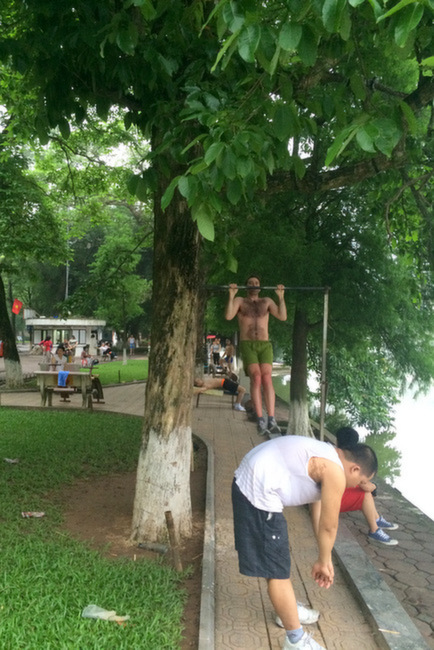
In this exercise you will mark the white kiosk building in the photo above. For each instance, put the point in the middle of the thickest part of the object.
(60, 329)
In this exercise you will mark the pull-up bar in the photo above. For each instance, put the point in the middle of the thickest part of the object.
(225, 287)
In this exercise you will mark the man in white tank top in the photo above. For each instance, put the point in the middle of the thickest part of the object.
(292, 471)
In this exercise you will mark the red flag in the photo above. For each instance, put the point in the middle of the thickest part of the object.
(16, 307)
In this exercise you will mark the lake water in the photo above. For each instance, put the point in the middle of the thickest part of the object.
(414, 426)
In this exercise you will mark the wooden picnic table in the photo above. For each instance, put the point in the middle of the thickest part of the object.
(77, 380)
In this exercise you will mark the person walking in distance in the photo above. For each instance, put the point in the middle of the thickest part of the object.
(255, 347)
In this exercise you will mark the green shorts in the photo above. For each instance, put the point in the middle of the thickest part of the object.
(256, 352)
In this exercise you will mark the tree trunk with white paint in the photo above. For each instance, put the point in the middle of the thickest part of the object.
(163, 474)
(298, 417)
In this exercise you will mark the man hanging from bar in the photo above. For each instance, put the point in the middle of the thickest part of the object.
(255, 348)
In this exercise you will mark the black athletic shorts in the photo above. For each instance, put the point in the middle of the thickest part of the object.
(261, 539)
(230, 386)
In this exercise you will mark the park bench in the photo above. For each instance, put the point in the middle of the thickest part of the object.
(217, 393)
(78, 382)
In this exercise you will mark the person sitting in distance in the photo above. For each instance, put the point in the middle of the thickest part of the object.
(59, 359)
(360, 498)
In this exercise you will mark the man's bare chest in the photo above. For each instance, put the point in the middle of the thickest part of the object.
(254, 308)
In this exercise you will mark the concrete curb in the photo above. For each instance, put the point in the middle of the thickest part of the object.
(393, 627)
(207, 600)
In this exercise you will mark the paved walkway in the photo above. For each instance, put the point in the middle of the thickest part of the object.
(403, 577)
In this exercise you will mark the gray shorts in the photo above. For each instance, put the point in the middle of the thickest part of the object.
(261, 539)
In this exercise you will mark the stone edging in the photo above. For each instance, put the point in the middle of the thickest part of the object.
(393, 626)
(207, 600)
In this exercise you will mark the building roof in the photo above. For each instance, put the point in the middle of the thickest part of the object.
(65, 323)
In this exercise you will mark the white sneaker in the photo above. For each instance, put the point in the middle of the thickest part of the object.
(306, 643)
(239, 407)
(307, 616)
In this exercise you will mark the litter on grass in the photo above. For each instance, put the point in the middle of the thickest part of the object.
(26, 515)
(93, 611)
(11, 461)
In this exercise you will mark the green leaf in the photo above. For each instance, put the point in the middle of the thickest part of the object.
(332, 11)
(396, 8)
(198, 167)
(147, 9)
(358, 86)
(274, 61)
(142, 190)
(248, 42)
(308, 48)
(429, 62)
(234, 190)
(168, 194)
(355, 3)
(42, 130)
(204, 221)
(193, 143)
(389, 135)
(283, 122)
(299, 167)
(232, 16)
(409, 117)
(365, 140)
(212, 102)
(132, 183)
(213, 152)
(183, 186)
(290, 36)
(64, 128)
(340, 143)
(232, 263)
(126, 39)
(244, 166)
(229, 164)
(228, 42)
(345, 25)
(188, 186)
(406, 22)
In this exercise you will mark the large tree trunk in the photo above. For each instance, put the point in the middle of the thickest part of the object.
(201, 352)
(163, 474)
(298, 418)
(13, 371)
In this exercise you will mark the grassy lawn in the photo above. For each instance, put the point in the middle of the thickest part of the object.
(114, 372)
(47, 578)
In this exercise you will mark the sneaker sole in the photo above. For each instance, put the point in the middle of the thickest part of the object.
(393, 527)
(392, 542)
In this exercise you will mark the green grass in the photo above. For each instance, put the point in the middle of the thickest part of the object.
(114, 372)
(46, 577)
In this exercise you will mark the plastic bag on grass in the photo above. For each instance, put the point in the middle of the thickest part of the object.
(93, 611)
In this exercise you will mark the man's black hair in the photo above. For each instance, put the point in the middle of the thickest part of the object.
(253, 275)
(346, 437)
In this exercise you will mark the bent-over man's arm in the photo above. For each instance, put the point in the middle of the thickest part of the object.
(332, 489)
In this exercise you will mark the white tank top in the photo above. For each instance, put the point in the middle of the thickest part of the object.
(274, 474)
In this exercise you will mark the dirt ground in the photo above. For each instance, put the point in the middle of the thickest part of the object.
(99, 511)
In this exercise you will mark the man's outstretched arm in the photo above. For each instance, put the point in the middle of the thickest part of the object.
(279, 310)
(233, 303)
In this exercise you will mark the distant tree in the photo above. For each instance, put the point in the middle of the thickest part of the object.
(28, 230)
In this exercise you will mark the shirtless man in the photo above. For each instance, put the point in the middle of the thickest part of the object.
(202, 385)
(255, 348)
